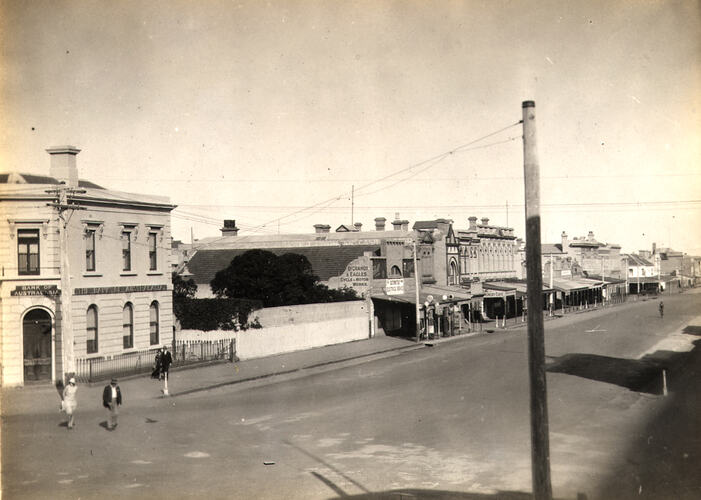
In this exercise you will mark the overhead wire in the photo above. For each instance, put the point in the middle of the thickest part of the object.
(410, 167)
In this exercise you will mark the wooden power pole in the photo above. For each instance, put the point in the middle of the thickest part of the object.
(540, 446)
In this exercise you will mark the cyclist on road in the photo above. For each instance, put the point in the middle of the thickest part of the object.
(661, 309)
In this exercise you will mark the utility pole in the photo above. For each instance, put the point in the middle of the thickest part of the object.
(65, 209)
(352, 204)
(540, 445)
(603, 282)
(417, 284)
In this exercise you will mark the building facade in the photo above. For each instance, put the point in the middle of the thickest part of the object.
(86, 272)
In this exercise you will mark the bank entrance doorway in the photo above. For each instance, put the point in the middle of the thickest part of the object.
(36, 332)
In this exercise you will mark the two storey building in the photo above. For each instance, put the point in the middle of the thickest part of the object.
(85, 272)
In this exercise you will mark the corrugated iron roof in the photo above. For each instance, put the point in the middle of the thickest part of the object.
(327, 262)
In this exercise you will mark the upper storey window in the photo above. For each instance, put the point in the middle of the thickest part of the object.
(126, 250)
(28, 251)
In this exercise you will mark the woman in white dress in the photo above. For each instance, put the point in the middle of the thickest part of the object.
(70, 402)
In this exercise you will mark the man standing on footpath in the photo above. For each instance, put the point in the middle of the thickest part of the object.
(166, 361)
(112, 399)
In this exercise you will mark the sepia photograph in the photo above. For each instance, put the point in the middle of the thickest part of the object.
(361, 249)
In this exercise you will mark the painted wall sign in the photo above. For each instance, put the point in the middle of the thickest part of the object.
(99, 290)
(357, 276)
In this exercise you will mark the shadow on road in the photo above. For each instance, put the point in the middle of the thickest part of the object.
(419, 494)
(639, 375)
(664, 461)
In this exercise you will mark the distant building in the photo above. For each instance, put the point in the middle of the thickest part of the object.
(642, 275)
(109, 277)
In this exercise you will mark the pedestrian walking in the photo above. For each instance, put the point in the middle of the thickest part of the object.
(70, 402)
(112, 399)
(156, 373)
(661, 309)
(166, 361)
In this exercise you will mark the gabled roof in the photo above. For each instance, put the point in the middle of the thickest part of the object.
(636, 260)
(326, 261)
(303, 239)
(430, 224)
(551, 248)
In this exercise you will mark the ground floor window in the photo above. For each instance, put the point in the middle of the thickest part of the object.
(91, 329)
(128, 326)
(153, 323)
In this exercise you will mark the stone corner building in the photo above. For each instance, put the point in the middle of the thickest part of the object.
(73, 253)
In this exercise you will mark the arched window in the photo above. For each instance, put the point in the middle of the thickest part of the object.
(395, 272)
(128, 326)
(91, 330)
(453, 273)
(153, 322)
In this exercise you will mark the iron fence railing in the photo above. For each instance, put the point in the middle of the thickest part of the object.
(184, 352)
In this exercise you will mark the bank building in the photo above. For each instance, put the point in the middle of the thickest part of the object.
(85, 273)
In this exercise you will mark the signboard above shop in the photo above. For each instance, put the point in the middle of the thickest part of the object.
(394, 286)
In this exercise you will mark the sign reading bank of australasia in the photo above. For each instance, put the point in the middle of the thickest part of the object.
(35, 290)
(356, 276)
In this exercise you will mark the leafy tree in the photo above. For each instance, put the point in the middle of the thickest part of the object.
(274, 280)
(183, 288)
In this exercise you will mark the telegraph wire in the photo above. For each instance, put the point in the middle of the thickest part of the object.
(410, 167)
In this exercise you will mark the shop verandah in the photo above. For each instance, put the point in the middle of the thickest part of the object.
(443, 311)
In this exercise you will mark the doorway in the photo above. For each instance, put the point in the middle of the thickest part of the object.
(36, 332)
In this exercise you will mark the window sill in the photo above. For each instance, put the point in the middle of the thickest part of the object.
(91, 274)
(128, 274)
(154, 273)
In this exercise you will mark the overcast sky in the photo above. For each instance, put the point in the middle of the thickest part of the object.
(257, 110)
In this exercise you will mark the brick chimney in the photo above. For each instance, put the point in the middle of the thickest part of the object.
(654, 248)
(380, 223)
(63, 165)
(564, 241)
(229, 228)
(485, 221)
(396, 223)
(400, 224)
(358, 226)
(473, 223)
(590, 236)
(321, 228)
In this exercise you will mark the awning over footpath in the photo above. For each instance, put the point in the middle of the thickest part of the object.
(608, 280)
(509, 288)
(435, 292)
(571, 285)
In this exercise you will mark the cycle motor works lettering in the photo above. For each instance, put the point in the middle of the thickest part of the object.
(357, 275)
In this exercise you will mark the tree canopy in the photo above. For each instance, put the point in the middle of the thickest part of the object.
(274, 280)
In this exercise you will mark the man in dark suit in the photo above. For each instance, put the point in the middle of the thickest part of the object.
(166, 361)
(112, 399)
